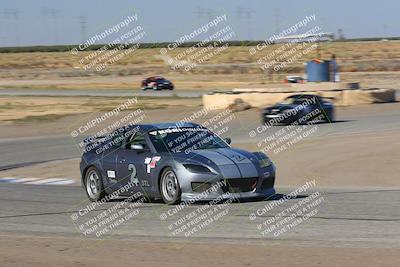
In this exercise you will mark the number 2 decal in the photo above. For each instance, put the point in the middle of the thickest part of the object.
(134, 179)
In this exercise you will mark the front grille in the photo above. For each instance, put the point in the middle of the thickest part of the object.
(199, 187)
(268, 183)
(240, 185)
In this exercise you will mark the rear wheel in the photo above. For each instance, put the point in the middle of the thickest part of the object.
(169, 187)
(94, 185)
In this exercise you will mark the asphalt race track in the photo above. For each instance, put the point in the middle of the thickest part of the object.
(362, 217)
(99, 92)
(106, 93)
(343, 217)
(352, 120)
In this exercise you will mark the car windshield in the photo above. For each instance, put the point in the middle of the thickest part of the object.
(185, 140)
(161, 80)
(294, 100)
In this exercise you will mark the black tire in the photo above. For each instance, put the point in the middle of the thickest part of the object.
(330, 116)
(168, 181)
(89, 185)
(327, 115)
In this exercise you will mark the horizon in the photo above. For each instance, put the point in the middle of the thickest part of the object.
(43, 22)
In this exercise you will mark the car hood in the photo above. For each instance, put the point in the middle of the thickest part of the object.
(231, 163)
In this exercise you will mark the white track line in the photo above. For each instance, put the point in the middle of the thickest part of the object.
(37, 181)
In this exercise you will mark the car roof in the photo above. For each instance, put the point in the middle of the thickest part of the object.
(164, 125)
(302, 96)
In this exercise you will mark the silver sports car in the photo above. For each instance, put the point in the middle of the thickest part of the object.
(175, 162)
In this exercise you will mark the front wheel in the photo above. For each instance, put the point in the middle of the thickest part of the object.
(94, 185)
(329, 116)
(169, 187)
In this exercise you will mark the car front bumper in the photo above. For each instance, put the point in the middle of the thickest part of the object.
(219, 188)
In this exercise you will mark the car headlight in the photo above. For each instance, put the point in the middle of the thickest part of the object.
(265, 162)
(196, 168)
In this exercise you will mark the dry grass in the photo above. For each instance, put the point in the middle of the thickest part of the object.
(17, 109)
(234, 67)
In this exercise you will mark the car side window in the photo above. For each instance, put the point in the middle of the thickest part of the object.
(117, 140)
(137, 139)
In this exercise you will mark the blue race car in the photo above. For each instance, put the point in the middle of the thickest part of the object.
(300, 108)
(175, 162)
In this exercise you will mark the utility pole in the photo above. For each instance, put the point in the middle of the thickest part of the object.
(340, 34)
(247, 13)
(53, 14)
(385, 27)
(3, 22)
(277, 18)
(13, 15)
(205, 13)
(83, 24)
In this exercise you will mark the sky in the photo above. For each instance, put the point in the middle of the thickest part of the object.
(57, 22)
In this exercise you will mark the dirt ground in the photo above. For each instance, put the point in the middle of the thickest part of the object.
(20, 250)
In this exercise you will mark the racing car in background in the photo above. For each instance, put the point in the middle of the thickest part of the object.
(175, 162)
(157, 83)
(301, 108)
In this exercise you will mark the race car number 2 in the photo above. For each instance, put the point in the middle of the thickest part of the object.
(135, 179)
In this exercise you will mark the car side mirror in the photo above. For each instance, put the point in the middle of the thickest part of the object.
(228, 140)
(117, 141)
(137, 147)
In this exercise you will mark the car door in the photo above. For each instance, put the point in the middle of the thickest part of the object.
(109, 158)
(131, 163)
